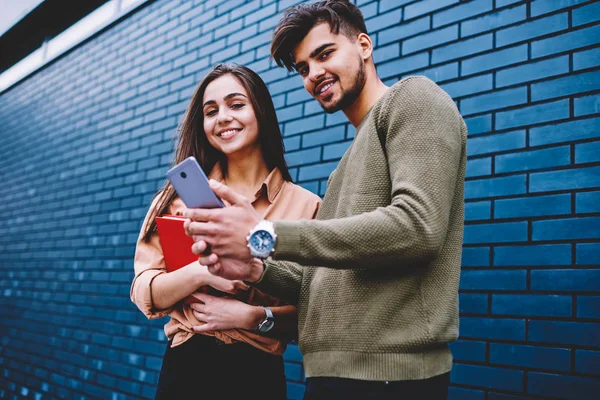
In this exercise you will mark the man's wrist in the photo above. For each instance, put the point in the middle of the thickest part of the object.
(257, 268)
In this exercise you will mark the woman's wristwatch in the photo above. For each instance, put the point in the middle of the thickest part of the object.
(267, 324)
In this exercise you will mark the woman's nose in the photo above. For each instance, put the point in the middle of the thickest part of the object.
(224, 116)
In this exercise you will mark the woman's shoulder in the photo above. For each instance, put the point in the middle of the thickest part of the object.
(301, 193)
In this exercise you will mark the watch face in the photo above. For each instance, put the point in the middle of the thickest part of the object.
(267, 325)
(261, 241)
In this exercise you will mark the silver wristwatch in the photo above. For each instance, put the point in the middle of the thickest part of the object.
(267, 324)
(261, 239)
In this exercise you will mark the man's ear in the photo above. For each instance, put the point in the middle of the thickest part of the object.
(365, 46)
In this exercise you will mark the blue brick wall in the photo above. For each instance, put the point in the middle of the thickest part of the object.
(87, 140)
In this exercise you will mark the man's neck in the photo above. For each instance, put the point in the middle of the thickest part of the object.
(372, 91)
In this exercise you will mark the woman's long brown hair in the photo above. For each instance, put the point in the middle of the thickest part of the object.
(192, 140)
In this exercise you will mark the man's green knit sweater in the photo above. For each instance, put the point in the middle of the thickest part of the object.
(376, 282)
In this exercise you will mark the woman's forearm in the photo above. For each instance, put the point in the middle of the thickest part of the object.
(286, 320)
(167, 289)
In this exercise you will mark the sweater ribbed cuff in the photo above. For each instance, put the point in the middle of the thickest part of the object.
(288, 240)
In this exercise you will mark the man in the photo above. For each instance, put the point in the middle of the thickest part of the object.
(375, 277)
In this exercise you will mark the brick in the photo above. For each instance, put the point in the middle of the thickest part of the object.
(562, 332)
(316, 171)
(442, 73)
(565, 42)
(502, 3)
(462, 49)
(578, 178)
(303, 157)
(496, 232)
(497, 59)
(562, 386)
(532, 305)
(295, 391)
(563, 132)
(403, 30)
(494, 100)
(477, 210)
(424, 7)
(587, 253)
(586, 59)
(430, 39)
(404, 64)
(533, 71)
(587, 362)
(470, 303)
(587, 202)
(567, 228)
(588, 307)
(303, 125)
(558, 359)
(492, 187)
(533, 206)
(468, 86)
(475, 256)
(461, 12)
(493, 21)
(479, 124)
(324, 136)
(493, 280)
(568, 85)
(385, 5)
(383, 21)
(534, 159)
(532, 29)
(587, 152)
(541, 7)
(565, 280)
(335, 151)
(386, 53)
(586, 14)
(587, 105)
(479, 167)
(456, 393)
(532, 255)
(468, 350)
(488, 377)
(533, 114)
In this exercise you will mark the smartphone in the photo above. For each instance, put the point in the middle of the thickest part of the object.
(191, 185)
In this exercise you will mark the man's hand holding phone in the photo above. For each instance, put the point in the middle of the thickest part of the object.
(225, 230)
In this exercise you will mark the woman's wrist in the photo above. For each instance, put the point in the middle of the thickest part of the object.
(255, 316)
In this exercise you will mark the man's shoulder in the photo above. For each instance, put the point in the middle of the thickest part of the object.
(415, 83)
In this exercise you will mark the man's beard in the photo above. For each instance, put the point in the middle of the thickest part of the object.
(349, 96)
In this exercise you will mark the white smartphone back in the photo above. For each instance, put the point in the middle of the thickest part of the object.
(191, 185)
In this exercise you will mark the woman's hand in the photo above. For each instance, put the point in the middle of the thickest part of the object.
(221, 284)
(220, 313)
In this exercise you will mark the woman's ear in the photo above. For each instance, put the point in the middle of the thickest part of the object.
(365, 46)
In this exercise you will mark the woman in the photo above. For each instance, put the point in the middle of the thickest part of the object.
(215, 345)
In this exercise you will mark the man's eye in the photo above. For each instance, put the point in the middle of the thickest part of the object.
(303, 71)
(326, 54)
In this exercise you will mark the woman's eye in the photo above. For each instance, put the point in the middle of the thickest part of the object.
(237, 105)
(211, 113)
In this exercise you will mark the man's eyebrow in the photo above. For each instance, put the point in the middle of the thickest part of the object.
(315, 53)
(229, 96)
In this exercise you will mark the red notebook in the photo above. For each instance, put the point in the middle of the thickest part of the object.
(177, 248)
(176, 245)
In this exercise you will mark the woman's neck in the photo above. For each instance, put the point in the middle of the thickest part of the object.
(245, 173)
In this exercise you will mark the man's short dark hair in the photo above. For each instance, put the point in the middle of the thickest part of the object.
(341, 15)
